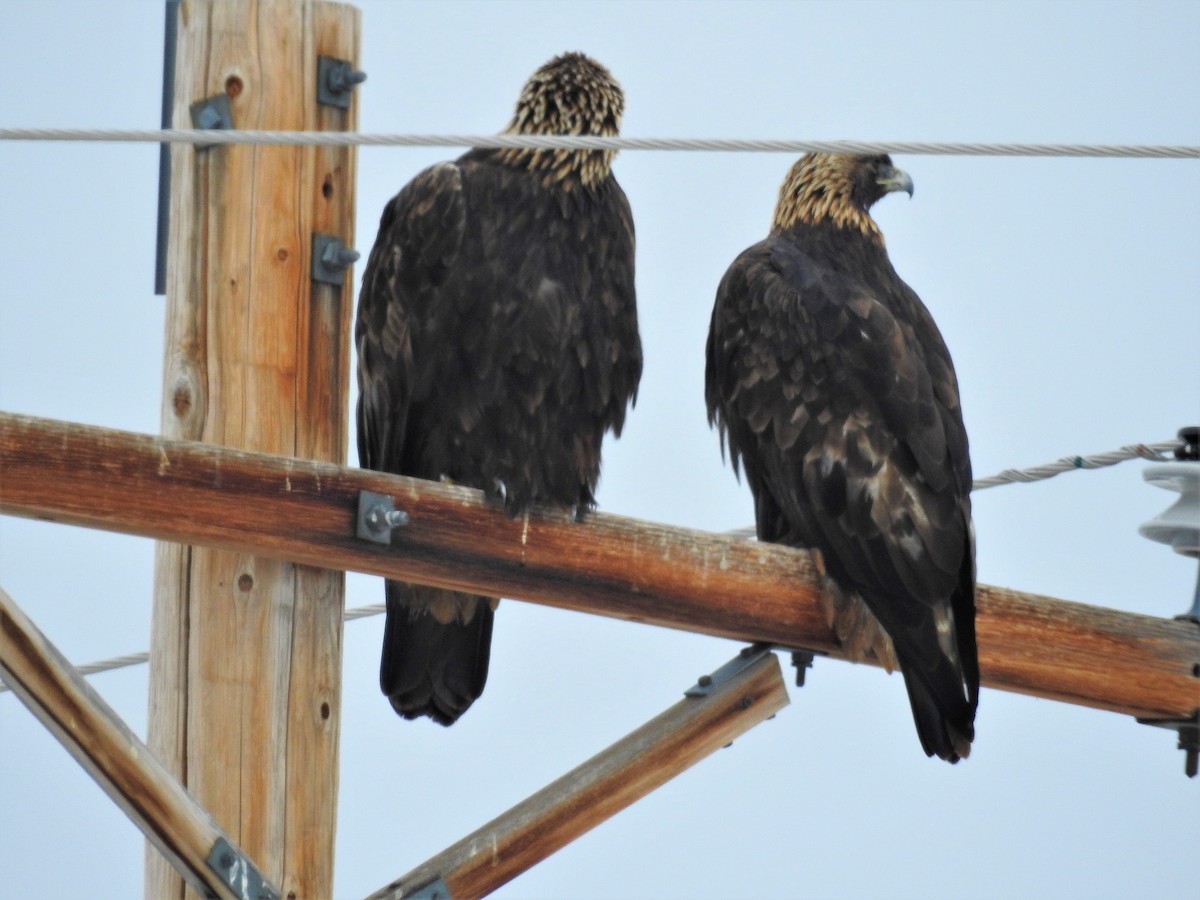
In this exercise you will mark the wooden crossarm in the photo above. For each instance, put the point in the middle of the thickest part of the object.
(610, 565)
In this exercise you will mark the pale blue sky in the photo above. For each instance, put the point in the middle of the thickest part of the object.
(1068, 291)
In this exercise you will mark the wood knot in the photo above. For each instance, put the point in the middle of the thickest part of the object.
(181, 400)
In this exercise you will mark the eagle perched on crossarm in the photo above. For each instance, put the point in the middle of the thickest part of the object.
(833, 389)
(497, 344)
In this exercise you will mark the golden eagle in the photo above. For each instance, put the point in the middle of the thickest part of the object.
(832, 387)
(497, 343)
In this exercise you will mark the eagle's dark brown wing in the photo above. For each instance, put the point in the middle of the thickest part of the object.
(436, 644)
(835, 393)
(420, 235)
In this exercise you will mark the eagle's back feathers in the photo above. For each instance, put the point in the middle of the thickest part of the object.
(513, 337)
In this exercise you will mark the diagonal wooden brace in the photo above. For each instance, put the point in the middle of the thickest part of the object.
(122, 765)
(735, 699)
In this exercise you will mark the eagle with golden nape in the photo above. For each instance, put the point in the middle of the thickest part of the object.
(497, 344)
(833, 391)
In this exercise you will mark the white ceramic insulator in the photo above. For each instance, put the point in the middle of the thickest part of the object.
(1179, 526)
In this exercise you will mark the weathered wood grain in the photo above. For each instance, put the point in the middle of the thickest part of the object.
(246, 650)
(304, 511)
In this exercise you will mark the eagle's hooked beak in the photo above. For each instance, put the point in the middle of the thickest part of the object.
(893, 179)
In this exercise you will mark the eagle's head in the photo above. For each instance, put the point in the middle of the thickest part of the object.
(839, 189)
(572, 95)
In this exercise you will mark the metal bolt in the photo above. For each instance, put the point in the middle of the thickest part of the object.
(802, 660)
(377, 516)
(705, 680)
(1189, 743)
(330, 257)
(340, 79)
(381, 519)
(336, 78)
(747, 702)
(336, 257)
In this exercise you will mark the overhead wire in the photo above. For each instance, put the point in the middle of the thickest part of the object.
(1156, 452)
(577, 142)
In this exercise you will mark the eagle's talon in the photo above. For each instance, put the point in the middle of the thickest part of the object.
(498, 491)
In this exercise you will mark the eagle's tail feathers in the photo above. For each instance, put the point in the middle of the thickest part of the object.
(430, 668)
(945, 723)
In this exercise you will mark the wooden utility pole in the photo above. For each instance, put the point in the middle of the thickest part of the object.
(245, 676)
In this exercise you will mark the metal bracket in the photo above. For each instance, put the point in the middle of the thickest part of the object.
(170, 42)
(330, 259)
(435, 890)
(336, 78)
(212, 114)
(1193, 614)
(1190, 448)
(746, 658)
(377, 516)
(238, 873)
(1189, 739)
